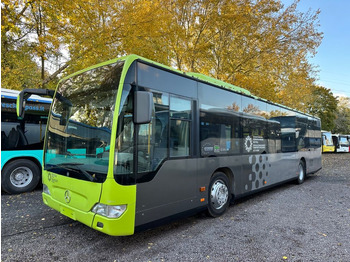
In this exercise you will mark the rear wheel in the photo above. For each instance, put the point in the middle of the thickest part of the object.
(301, 172)
(219, 195)
(20, 176)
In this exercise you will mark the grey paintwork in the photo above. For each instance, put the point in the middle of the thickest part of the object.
(176, 187)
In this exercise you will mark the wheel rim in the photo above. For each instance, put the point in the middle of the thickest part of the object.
(21, 176)
(301, 172)
(218, 194)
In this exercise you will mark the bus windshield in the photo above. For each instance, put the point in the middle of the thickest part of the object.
(80, 123)
(343, 141)
(327, 139)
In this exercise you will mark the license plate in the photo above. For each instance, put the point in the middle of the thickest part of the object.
(68, 212)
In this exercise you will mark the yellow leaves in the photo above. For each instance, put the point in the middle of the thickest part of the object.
(246, 43)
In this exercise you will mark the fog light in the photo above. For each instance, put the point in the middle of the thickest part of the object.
(46, 189)
(109, 211)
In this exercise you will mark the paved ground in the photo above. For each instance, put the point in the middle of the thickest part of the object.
(310, 222)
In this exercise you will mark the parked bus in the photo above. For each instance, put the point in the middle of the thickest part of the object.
(341, 143)
(22, 142)
(327, 142)
(131, 142)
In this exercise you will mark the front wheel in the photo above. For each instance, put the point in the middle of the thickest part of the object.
(21, 175)
(219, 195)
(301, 172)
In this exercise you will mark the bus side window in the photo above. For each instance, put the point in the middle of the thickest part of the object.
(180, 122)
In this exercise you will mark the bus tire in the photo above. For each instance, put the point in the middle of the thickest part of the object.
(219, 195)
(301, 172)
(20, 175)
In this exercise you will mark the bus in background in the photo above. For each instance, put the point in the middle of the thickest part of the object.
(22, 142)
(131, 142)
(327, 142)
(341, 143)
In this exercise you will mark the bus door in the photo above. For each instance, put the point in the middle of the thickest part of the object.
(166, 170)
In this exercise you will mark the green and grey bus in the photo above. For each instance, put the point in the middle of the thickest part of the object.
(131, 142)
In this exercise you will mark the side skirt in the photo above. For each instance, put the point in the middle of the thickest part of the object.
(168, 220)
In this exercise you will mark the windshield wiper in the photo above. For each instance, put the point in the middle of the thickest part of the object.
(73, 166)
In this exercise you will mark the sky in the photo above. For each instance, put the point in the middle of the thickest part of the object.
(333, 55)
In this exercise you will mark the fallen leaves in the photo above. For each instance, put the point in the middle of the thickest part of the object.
(322, 234)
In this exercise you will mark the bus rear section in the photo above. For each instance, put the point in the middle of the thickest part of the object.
(22, 142)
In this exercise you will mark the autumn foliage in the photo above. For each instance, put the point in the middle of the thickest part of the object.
(262, 45)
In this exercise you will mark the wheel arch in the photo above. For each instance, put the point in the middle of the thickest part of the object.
(30, 158)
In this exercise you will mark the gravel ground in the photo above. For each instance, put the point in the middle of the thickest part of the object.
(308, 222)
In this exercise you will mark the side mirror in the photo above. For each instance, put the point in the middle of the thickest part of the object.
(20, 105)
(143, 105)
(25, 94)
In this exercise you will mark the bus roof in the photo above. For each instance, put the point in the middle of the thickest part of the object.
(197, 76)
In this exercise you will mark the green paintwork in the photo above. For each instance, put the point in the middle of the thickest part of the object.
(84, 196)
(87, 193)
(217, 82)
(17, 106)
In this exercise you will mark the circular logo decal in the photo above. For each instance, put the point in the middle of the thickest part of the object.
(248, 143)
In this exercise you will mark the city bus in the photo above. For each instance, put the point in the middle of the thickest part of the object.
(22, 142)
(327, 142)
(341, 143)
(131, 143)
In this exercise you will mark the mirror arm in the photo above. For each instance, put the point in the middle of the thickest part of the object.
(25, 94)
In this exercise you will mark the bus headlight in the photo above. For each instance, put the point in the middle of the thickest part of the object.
(109, 211)
(46, 189)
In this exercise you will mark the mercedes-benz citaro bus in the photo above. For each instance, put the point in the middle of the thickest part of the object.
(327, 142)
(131, 142)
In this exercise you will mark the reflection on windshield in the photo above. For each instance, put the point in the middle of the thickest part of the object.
(79, 131)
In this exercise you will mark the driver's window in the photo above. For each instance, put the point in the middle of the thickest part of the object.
(153, 137)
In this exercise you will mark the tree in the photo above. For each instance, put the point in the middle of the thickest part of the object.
(257, 45)
(323, 105)
(262, 46)
(18, 69)
(25, 40)
(342, 121)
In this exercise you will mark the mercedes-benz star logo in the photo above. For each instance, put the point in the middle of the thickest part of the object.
(67, 196)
